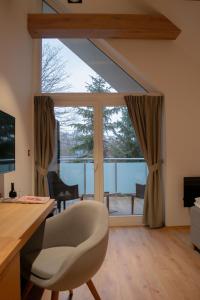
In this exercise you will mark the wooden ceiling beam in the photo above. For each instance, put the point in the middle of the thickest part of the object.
(121, 26)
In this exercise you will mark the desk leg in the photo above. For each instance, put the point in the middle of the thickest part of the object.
(59, 205)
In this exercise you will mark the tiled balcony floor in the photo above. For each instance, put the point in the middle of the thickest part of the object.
(119, 205)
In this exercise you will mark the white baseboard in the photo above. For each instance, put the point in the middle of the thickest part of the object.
(125, 221)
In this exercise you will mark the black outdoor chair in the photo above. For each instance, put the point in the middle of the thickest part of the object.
(60, 191)
(139, 193)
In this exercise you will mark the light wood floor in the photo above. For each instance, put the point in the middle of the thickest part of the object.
(144, 264)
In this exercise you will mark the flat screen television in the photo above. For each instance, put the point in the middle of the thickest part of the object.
(191, 190)
(7, 142)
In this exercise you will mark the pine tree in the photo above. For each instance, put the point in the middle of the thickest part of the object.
(83, 132)
(85, 129)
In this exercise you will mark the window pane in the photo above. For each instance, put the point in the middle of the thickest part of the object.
(77, 65)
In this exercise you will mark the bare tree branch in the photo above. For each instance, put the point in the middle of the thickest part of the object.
(54, 77)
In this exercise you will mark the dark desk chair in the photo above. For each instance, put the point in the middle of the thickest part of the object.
(139, 193)
(60, 191)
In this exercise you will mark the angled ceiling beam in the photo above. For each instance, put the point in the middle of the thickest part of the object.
(126, 26)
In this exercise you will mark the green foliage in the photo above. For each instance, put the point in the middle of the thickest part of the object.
(98, 85)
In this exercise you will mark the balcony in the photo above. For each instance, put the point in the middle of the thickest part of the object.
(120, 178)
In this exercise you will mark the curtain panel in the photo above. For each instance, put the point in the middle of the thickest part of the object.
(146, 115)
(44, 137)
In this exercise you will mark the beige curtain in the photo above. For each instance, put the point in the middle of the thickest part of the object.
(44, 125)
(146, 116)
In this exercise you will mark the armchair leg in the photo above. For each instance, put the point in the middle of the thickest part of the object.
(70, 294)
(132, 204)
(59, 206)
(93, 290)
(54, 295)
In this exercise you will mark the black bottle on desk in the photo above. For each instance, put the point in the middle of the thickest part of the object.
(12, 193)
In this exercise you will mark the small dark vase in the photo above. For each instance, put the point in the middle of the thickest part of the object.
(12, 193)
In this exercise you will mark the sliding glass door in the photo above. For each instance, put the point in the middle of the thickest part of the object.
(97, 149)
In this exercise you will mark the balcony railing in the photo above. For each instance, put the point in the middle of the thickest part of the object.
(120, 174)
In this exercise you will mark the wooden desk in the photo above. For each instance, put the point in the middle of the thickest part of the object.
(17, 224)
(9, 268)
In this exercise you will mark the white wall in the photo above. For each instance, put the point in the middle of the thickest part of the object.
(16, 85)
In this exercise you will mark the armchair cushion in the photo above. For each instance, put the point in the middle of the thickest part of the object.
(47, 262)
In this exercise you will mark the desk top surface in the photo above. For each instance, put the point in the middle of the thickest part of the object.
(19, 221)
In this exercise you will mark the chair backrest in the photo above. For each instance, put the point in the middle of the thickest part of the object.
(77, 223)
(51, 178)
(57, 186)
(84, 226)
(140, 190)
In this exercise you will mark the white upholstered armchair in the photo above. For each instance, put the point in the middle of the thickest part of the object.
(69, 249)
